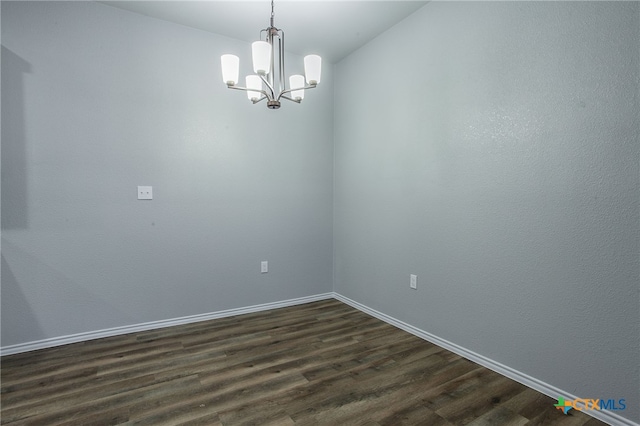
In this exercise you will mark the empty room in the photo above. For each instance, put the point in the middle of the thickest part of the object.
(414, 212)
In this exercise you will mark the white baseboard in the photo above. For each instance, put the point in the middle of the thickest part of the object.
(117, 331)
(531, 382)
(538, 385)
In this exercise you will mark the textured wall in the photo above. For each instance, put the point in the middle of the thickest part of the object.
(492, 149)
(96, 101)
(498, 161)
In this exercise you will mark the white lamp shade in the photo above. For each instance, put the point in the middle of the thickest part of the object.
(230, 67)
(295, 82)
(261, 55)
(253, 82)
(313, 68)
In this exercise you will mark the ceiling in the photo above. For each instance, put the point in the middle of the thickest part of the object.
(332, 29)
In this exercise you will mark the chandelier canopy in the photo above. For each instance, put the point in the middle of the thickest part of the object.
(261, 85)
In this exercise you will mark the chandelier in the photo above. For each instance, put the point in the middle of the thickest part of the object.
(261, 85)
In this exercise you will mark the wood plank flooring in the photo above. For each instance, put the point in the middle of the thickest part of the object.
(323, 363)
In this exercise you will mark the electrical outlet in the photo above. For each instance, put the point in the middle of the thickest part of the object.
(264, 267)
(413, 281)
(145, 193)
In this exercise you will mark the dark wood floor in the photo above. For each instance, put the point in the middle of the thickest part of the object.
(320, 363)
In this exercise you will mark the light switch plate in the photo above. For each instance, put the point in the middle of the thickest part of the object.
(145, 193)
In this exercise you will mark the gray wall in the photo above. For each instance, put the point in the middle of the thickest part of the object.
(492, 149)
(96, 101)
(498, 161)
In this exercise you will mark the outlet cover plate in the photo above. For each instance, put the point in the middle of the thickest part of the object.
(413, 281)
(145, 193)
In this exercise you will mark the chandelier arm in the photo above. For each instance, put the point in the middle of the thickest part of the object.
(273, 70)
(246, 89)
(290, 99)
(269, 86)
(281, 53)
(284, 92)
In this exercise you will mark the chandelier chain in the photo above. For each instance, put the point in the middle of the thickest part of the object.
(272, 14)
